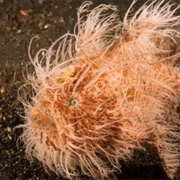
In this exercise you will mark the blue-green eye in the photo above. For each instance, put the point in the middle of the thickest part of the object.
(73, 102)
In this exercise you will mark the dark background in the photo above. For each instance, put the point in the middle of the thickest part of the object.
(20, 20)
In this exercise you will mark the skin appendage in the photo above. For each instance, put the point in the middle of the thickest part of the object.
(97, 94)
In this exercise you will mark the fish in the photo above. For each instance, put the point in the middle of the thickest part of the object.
(97, 94)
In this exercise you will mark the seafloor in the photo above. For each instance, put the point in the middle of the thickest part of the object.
(20, 20)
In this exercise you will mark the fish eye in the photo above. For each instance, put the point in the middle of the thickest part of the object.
(73, 102)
